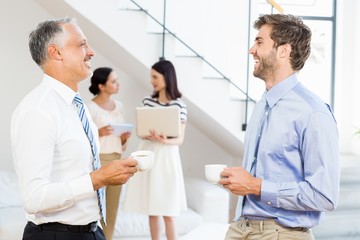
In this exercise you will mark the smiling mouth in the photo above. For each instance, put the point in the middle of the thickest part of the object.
(87, 63)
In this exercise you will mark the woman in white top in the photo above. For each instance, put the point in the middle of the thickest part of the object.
(105, 110)
(160, 192)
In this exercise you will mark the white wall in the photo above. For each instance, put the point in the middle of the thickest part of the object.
(347, 83)
(355, 84)
(20, 74)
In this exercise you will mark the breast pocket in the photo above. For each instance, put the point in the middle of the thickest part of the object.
(271, 160)
(279, 162)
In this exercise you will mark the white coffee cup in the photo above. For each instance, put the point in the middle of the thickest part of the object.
(212, 172)
(145, 159)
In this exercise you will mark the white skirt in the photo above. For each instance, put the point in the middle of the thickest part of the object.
(159, 191)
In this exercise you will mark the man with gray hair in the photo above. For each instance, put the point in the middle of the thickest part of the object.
(55, 142)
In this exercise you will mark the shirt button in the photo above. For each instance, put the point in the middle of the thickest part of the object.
(269, 203)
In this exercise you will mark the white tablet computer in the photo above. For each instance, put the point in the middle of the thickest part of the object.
(120, 128)
(164, 120)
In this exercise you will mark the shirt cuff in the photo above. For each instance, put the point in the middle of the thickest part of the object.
(269, 193)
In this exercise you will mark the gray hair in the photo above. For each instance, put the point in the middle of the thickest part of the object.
(45, 34)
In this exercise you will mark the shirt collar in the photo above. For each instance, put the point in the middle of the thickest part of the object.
(66, 93)
(279, 90)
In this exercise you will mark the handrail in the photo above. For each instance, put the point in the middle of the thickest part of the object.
(163, 33)
(276, 6)
(248, 98)
(244, 125)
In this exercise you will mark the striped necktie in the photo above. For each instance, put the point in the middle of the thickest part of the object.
(96, 163)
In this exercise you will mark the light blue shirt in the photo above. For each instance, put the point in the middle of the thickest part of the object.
(297, 160)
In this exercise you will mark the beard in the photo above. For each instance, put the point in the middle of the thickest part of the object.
(266, 65)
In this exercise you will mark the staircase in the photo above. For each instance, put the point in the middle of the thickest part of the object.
(344, 222)
(122, 37)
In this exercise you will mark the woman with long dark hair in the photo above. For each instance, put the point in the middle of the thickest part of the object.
(160, 192)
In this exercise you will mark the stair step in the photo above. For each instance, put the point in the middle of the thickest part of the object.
(350, 176)
(350, 170)
(348, 198)
(344, 222)
(338, 238)
(339, 225)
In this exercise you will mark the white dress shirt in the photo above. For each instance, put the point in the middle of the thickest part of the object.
(52, 157)
(101, 117)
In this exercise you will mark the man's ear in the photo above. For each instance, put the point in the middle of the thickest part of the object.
(54, 52)
(285, 50)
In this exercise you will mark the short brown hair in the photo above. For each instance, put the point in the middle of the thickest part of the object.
(289, 29)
